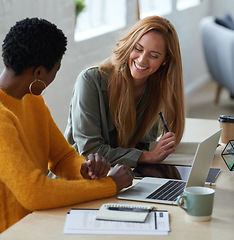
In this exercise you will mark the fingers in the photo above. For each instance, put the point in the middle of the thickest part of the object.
(122, 175)
(84, 170)
(102, 167)
(164, 147)
(168, 136)
(99, 166)
(167, 141)
(91, 164)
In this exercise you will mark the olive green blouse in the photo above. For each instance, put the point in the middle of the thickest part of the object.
(90, 128)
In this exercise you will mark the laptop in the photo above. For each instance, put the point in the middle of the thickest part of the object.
(166, 191)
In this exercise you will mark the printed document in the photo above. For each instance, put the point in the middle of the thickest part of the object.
(83, 221)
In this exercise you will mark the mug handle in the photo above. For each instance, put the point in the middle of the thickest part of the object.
(181, 197)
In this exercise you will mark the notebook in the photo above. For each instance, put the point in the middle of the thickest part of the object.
(162, 190)
(124, 212)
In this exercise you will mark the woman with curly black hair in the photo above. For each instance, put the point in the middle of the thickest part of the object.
(29, 138)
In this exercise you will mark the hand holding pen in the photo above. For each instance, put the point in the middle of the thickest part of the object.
(164, 147)
(166, 144)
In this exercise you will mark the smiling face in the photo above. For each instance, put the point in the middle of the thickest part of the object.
(147, 56)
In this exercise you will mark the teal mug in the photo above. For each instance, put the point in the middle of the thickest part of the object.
(197, 202)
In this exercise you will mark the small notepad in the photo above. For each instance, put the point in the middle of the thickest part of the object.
(124, 212)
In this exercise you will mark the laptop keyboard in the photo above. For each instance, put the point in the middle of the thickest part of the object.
(168, 191)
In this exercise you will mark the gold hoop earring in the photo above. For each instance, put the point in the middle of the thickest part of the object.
(37, 80)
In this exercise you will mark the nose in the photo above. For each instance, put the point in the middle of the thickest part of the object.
(142, 58)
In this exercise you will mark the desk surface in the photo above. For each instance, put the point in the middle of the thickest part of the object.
(49, 224)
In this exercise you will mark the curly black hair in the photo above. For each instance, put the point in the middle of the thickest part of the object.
(33, 42)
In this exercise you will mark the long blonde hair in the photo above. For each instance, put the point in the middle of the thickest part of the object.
(166, 91)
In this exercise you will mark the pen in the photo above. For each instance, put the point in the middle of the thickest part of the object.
(164, 122)
(129, 209)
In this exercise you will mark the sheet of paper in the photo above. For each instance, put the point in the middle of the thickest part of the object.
(183, 155)
(83, 221)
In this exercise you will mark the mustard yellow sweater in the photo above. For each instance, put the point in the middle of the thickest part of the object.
(30, 141)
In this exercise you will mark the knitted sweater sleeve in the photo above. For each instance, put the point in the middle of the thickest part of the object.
(64, 161)
(32, 189)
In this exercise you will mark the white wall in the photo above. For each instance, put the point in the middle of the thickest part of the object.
(90, 52)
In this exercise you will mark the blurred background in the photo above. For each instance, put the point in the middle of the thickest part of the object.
(92, 28)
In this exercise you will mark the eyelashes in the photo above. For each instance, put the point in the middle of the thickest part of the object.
(141, 50)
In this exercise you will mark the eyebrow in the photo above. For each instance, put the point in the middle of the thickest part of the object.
(150, 51)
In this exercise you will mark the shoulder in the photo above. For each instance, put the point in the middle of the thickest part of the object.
(8, 118)
(9, 123)
(34, 101)
(91, 78)
(4, 111)
(90, 73)
(36, 106)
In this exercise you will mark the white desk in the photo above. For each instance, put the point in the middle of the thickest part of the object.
(49, 224)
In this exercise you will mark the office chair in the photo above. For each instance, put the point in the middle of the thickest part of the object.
(218, 46)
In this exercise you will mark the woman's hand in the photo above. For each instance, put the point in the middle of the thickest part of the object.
(122, 175)
(95, 167)
(164, 147)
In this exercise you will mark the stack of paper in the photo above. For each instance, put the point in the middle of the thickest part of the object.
(83, 221)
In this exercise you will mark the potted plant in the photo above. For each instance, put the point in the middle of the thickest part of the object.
(79, 6)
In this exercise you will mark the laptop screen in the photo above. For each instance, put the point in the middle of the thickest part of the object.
(170, 172)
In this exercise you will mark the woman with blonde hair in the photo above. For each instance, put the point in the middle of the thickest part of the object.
(115, 107)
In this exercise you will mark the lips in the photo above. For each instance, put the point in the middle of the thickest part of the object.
(139, 67)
